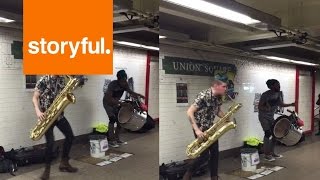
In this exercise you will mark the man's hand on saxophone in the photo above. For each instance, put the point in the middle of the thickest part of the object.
(200, 134)
(40, 115)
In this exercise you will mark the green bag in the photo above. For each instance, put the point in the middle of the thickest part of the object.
(101, 128)
(253, 141)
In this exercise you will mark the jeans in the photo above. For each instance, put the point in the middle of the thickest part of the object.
(212, 153)
(65, 128)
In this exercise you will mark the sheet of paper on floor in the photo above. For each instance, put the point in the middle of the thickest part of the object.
(258, 171)
(255, 176)
(106, 157)
(115, 159)
(267, 172)
(110, 156)
(277, 168)
(103, 163)
(125, 155)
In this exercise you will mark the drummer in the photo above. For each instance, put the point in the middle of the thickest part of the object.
(268, 104)
(112, 104)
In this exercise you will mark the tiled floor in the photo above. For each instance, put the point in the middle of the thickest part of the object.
(142, 165)
(301, 162)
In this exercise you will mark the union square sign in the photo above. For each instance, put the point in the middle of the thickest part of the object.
(185, 66)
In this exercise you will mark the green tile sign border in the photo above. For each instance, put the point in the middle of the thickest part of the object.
(16, 49)
(185, 66)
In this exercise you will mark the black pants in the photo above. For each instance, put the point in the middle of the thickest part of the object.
(113, 132)
(269, 142)
(112, 113)
(65, 128)
(211, 154)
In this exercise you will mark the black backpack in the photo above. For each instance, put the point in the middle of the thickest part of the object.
(176, 170)
(6, 165)
(2, 152)
(27, 156)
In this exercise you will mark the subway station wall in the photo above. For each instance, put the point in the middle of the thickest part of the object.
(17, 115)
(175, 130)
(317, 91)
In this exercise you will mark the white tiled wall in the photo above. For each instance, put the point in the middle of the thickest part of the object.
(317, 92)
(154, 88)
(305, 91)
(175, 130)
(17, 115)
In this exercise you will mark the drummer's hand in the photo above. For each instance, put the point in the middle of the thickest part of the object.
(141, 96)
(293, 104)
(136, 95)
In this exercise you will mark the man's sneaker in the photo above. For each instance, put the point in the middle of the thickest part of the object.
(113, 144)
(119, 142)
(278, 156)
(269, 158)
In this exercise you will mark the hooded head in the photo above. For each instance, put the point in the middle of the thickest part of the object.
(122, 77)
(273, 85)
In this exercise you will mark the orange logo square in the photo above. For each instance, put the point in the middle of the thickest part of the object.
(67, 37)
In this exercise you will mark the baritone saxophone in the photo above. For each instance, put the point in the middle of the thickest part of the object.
(196, 147)
(64, 98)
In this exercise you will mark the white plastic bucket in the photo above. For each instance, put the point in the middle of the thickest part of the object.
(249, 159)
(98, 146)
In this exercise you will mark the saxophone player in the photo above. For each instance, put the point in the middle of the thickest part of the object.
(201, 116)
(46, 90)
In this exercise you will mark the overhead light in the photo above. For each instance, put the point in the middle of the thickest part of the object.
(278, 58)
(5, 20)
(273, 46)
(136, 45)
(215, 10)
(162, 37)
(304, 63)
(150, 47)
(290, 61)
(128, 43)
